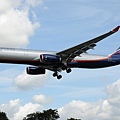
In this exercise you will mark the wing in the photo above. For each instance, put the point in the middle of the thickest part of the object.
(69, 54)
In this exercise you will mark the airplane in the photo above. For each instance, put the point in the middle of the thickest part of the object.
(74, 57)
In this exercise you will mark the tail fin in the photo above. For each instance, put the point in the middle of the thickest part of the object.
(115, 56)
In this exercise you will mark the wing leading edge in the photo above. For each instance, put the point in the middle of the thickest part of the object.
(69, 54)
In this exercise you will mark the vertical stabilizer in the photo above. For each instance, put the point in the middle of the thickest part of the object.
(115, 56)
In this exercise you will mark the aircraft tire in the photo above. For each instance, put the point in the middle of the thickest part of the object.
(68, 70)
(55, 74)
(59, 76)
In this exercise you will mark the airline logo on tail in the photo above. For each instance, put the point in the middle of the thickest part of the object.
(115, 57)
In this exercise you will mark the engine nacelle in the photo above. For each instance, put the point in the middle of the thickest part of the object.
(35, 70)
(49, 59)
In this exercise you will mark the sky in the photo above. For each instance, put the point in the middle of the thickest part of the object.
(55, 26)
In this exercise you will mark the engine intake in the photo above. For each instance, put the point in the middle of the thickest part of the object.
(49, 59)
(35, 70)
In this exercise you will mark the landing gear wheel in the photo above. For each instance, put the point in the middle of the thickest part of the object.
(59, 76)
(68, 70)
(55, 74)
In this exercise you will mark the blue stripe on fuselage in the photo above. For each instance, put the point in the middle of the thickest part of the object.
(93, 64)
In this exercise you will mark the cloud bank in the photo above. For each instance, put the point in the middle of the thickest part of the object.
(16, 111)
(107, 109)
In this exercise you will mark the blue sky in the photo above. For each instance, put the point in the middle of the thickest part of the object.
(55, 26)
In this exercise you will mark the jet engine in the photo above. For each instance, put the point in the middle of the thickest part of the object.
(35, 70)
(50, 59)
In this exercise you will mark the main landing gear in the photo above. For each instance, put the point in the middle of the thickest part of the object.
(68, 70)
(55, 74)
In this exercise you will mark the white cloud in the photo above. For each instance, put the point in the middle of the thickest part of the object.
(15, 111)
(11, 108)
(27, 109)
(41, 99)
(15, 24)
(78, 109)
(6, 5)
(107, 109)
(25, 82)
(113, 89)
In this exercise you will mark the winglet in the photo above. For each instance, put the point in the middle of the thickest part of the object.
(116, 29)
